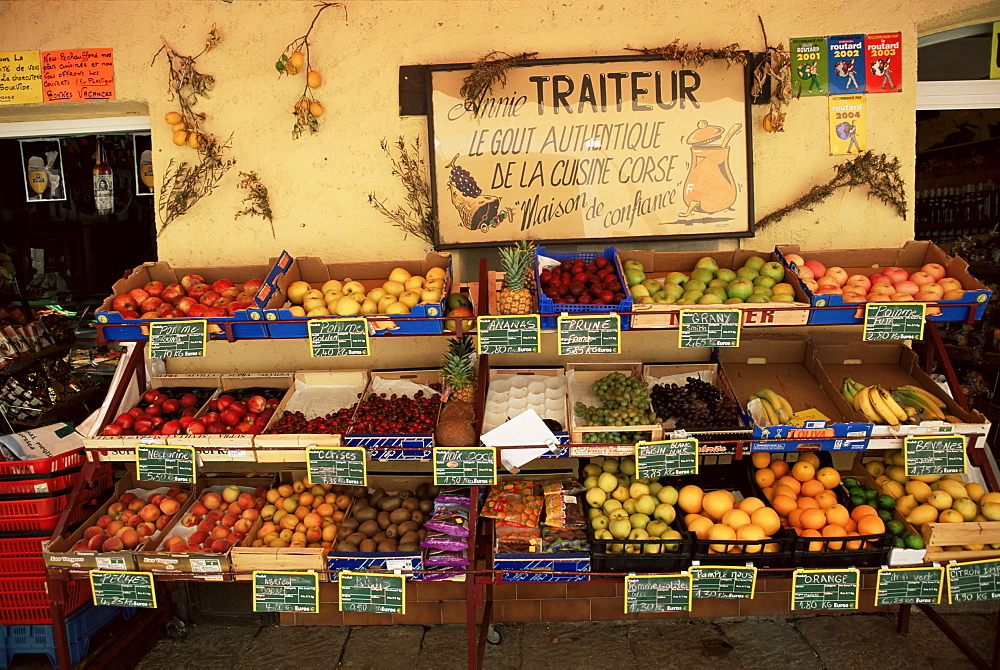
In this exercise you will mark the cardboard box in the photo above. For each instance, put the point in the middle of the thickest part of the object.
(372, 274)
(153, 557)
(416, 444)
(911, 257)
(118, 328)
(890, 365)
(59, 554)
(657, 264)
(277, 448)
(98, 441)
(789, 368)
(543, 374)
(580, 377)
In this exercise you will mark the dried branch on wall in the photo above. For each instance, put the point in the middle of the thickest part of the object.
(489, 71)
(775, 69)
(296, 58)
(688, 55)
(415, 217)
(880, 173)
(257, 201)
(185, 183)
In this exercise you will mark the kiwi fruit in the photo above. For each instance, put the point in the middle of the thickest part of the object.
(433, 490)
(369, 528)
(387, 546)
(422, 534)
(409, 537)
(351, 523)
(410, 503)
(408, 546)
(392, 531)
(406, 527)
(376, 495)
(379, 536)
(356, 538)
(365, 513)
(346, 546)
(418, 516)
(426, 506)
(422, 490)
(390, 503)
(383, 520)
(362, 502)
(398, 515)
(344, 532)
(358, 491)
(405, 493)
(368, 546)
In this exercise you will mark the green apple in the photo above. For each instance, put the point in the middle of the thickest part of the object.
(673, 290)
(676, 278)
(632, 265)
(740, 288)
(686, 301)
(725, 274)
(763, 290)
(634, 277)
(707, 262)
(717, 291)
(692, 295)
(782, 297)
(664, 298)
(639, 291)
(652, 286)
(747, 273)
(695, 285)
(709, 299)
(718, 282)
(733, 301)
(644, 300)
(774, 270)
(765, 281)
(758, 297)
(703, 274)
(755, 262)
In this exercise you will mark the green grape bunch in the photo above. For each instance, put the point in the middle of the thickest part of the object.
(624, 401)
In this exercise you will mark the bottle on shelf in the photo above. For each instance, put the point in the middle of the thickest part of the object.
(104, 182)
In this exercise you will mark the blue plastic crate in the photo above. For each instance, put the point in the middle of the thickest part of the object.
(81, 626)
(547, 306)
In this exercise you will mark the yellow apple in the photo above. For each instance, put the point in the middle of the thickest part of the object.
(348, 307)
(393, 287)
(399, 274)
(430, 296)
(377, 294)
(384, 303)
(296, 291)
(296, 310)
(435, 283)
(312, 294)
(436, 273)
(409, 298)
(309, 304)
(369, 306)
(397, 308)
(414, 283)
(318, 311)
(332, 285)
(352, 287)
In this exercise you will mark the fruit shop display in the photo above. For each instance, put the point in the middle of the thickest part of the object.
(578, 281)
(923, 499)
(164, 411)
(697, 405)
(221, 518)
(303, 515)
(717, 516)
(531, 517)
(708, 284)
(192, 298)
(777, 410)
(859, 493)
(889, 284)
(624, 401)
(624, 507)
(376, 413)
(398, 294)
(387, 522)
(908, 404)
(802, 493)
(135, 516)
(515, 295)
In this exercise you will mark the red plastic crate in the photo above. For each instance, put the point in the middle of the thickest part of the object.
(43, 466)
(8, 525)
(22, 555)
(34, 508)
(61, 479)
(25, 600)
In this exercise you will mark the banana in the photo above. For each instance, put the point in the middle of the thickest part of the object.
(928, 410)
(772, 417)
(912, 416)
(782, 409)
(856, 402)
(887, 403)
(951, 418)
(866, 406)
(926, 395)
(847, 390)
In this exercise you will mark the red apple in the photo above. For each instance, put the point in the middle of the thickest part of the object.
(838, 274)
(209, 298)
(251, 286)
(935, 288)
(185, 304)
(149, 315)
(936, 270)
(187, 281)
(954, 294)
(860, 280)
(173, 314)
(905, 286)
(138, 295)
(215, 311)
(154, 288)
(818, 269)
(172, 293)
(124, 302)
(198, 290)
(896, 274)
(921, 278)
(900, 297)
(794, 259)
(950, 284)
(926, 296)
(879, 278)
(197, 311)
(150, 304)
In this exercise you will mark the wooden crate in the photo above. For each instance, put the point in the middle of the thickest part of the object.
(244, 559)
(588, 373)
(938, 536)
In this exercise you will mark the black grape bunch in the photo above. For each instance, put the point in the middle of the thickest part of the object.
(465, 182)
(697, 405)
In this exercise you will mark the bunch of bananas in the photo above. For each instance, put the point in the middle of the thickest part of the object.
(777, 410)
(927, 405)
(914, 404)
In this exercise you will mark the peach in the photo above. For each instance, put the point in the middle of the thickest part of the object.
(219, 546)
(112, 544)
(220, 532)
(96, 541)
(206, 526)
(250, 514)
(231, 493)
(127, 515)
(285, 490)
(181, 497)
(150, 512)
(145, 529)
(127, 498)
(198, 537)
(234, 508)
(80, 546)
(950, 284)
(173, 540)
(243, 526)
(155, 498)
(114, 527)
(105, 520)
(190, 520)
(199, 509)
(130, 538)
(235, 538)
(215, 515)
(838, 274)
(92, 531)
(907, 287)
(245, 500)
(922, 278)
(134, 521)
(936, 270)
(900, 297)
(169, 506)
(289, 521)
(229, 520)
(211, 499)
(794, 259)
(895, 273)
(192, 548)
(162, 521)
(116, 508)
(314, 534)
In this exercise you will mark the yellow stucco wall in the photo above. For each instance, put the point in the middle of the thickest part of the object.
(319, 185)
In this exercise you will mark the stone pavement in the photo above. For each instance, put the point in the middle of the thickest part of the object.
(815, 641)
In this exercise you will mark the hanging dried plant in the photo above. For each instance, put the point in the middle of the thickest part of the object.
(880, 173)
(294, 59)
(257, 201)
(185, 183)
(417, 216)
(774, 69)
(489, 71)
(688, 55)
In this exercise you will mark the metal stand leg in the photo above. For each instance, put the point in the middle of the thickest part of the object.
(903, 620)
(956, 639)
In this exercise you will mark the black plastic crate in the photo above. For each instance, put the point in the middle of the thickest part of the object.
(604, 560)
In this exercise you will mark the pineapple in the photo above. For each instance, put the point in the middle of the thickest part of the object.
(458, 371)
(515, 296)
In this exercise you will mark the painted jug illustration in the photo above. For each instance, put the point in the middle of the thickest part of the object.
(709, 186)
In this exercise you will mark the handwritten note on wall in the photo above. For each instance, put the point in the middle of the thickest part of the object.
(72, 75)
(20, 77)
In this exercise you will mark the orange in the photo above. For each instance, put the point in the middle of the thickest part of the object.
(807, 457)
(700, 527)
(833, 530)
(805, 502)
(717, 503)
(854, 544)
(813, 519)
(297, 59)
(786, 491)
(795, 517)
(871, 525)
(768, 492)
(851, 526)
(750, 504)
(812, 488)
(689, 518)
(783, 504)
(788, 480)
(829, 477)
(764, 477)
(766, 518)
(838, 515)
(736, 518)
(813, 546)
(863, 510)
(826, 499)
(173, 118)
(803, 470)
(760, 459)
(780, 468)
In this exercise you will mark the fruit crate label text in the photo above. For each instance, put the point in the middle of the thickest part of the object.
(286, 592)
(177, 339)
(709, 328)
(508, 334)
(666, 458)
(825, 589)
(944, 455)
(657, 593)
(336, 465)
(465, 466)
(894, 321)
(123, 589)
(338, 337)
(723, 581)
(909, 586)
(590, 334)
(369, 592)
(165, 464)
(974, 580)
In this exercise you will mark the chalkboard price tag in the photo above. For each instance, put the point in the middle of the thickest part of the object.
(508, 334)
(938, 455)
(658, 593)
(465, 466)
(709, 328)
(338, 337)
(666, 458)
(177, 339)
(589, 334)
(825, 589)
(286, 592)
(723, 581)
(157, 463)
(974, 580)
(372, 592)
(909, 586)
(336, 465)
(894, 321)
(123, 589)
